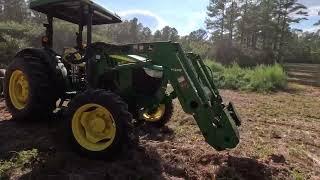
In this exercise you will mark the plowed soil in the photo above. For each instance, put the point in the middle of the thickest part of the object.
(280, 139)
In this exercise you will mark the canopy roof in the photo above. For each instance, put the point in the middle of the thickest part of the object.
(72, 10)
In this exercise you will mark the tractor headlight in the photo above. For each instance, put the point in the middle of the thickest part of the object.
(153, 73)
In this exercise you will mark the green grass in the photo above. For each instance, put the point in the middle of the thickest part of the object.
(20, 160)
(298, 175)
(262, 78)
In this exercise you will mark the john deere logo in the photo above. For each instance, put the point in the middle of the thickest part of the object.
(176, 70)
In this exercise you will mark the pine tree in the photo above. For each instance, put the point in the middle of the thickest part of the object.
(165, 33)
(232, 13)
(35, 16)
(216, 17)
(157, 36)
(198, 35)
(287, 13)
(134, 30)
(15, 10)
(169, 34)
(146, 35)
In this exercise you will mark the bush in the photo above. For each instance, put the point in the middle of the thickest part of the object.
(235, 77)
(216, 67)
(266, 78)
(259, 78)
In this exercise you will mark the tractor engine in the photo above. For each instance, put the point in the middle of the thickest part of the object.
(76, 68)
(77, 75)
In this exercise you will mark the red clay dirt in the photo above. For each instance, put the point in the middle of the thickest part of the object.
(280, 139)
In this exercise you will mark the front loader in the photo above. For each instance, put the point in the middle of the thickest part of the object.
(108, 85)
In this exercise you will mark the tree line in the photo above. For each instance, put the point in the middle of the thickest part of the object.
(248, 32)
(260, 26)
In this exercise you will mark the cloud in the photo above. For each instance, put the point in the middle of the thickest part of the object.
(160, 21)
(310, 3)
(184, 25)
(312, 29)
(194, 21)
(314, 10)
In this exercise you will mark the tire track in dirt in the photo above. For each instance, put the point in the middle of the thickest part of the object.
(303, 142)
(294, 137)
(298, 127)
(287, 118)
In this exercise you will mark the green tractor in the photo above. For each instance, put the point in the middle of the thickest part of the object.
(110, 85)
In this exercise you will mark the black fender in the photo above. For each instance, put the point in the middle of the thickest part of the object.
(45, 55)
(57, 70)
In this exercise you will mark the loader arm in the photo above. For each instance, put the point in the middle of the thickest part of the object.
(195, 89)
(196, 92)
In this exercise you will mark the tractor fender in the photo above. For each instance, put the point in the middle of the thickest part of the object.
(42, 54)
(56, 69)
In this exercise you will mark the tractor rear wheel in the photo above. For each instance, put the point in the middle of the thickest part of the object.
(28, 89)
(160, 115)
(97, 124)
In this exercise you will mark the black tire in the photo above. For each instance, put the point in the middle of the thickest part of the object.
(168, 112)
(119, 110)
(41, 97)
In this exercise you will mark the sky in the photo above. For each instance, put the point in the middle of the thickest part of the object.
(185, 15)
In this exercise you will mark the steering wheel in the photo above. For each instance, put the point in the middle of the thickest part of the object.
(73, 56)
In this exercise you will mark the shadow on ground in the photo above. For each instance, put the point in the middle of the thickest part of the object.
(158, 155)
(56, 161)
(240, 168)
(246, 168)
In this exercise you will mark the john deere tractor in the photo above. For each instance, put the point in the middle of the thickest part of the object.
(109, 85)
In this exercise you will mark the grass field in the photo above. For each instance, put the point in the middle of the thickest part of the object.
(280, 139)
(308, 74)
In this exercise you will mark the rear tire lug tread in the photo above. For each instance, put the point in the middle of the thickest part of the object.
(43, 98)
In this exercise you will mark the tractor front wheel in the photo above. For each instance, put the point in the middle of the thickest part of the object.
(97, 124)
(160, 115)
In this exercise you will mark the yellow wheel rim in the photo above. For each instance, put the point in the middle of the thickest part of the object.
(19, 89)
(93, 127)
(155, 115)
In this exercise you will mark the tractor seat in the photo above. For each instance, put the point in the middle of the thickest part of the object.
(73, 57)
